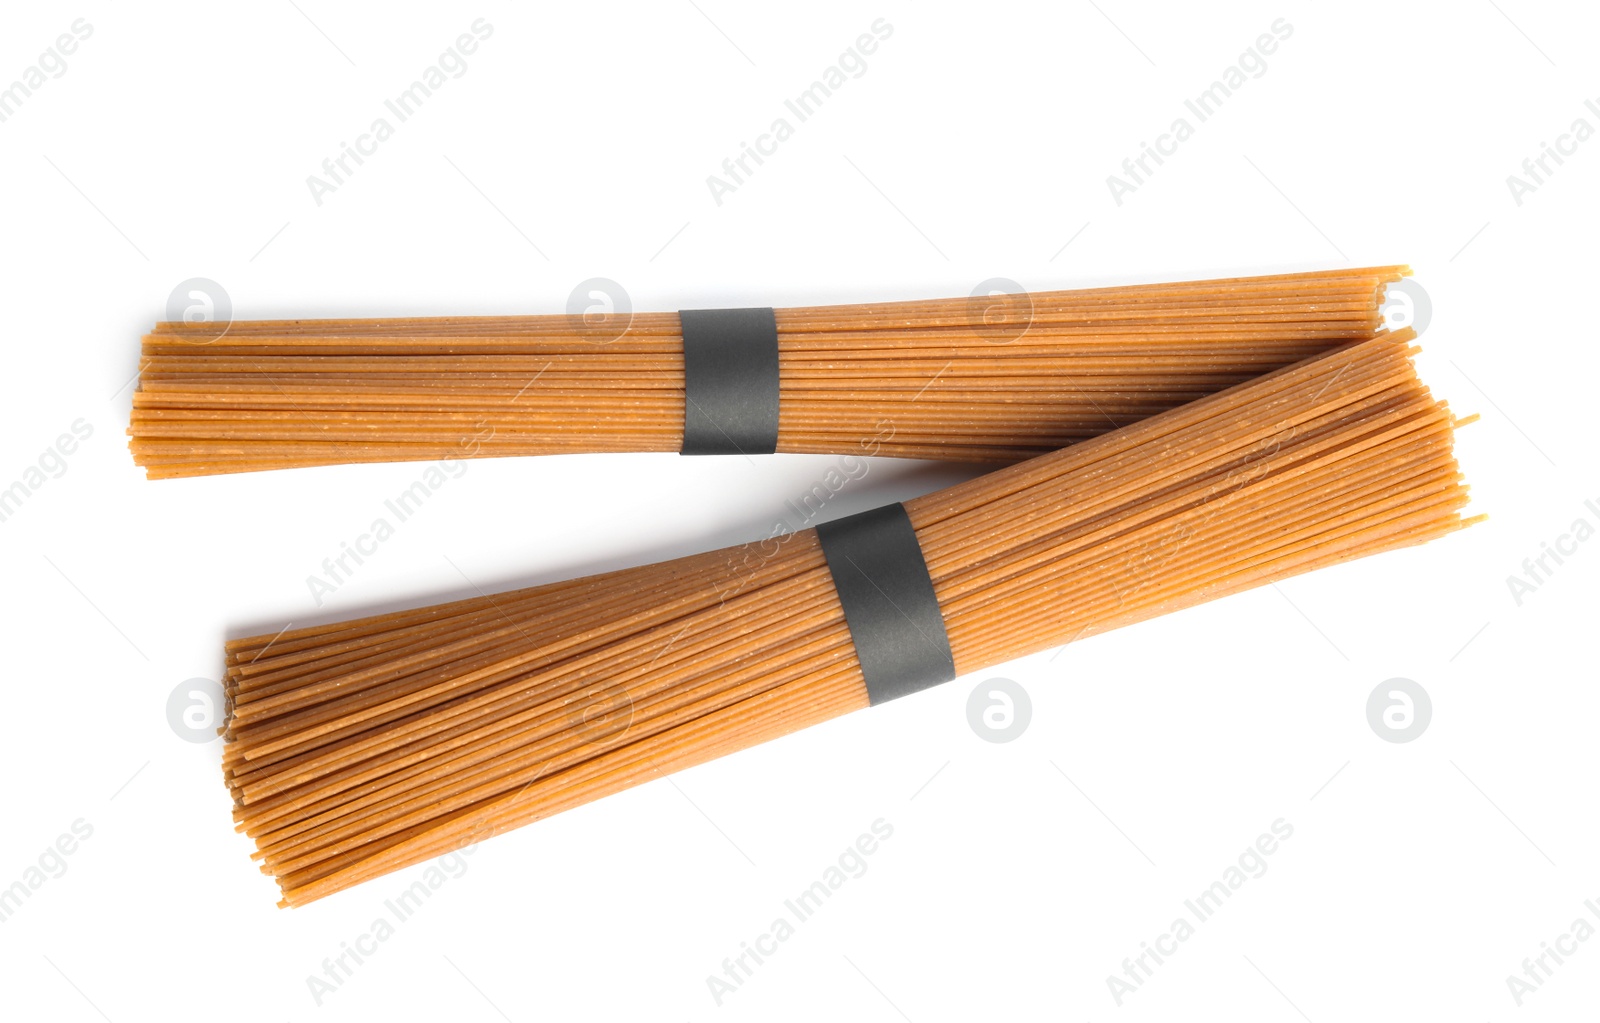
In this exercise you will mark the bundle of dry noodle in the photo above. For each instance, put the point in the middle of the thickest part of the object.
(988, 379)
(362, 747)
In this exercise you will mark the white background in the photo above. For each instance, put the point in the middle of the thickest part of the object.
(976, 144)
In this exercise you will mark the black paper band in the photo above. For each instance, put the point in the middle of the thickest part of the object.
(730, 380)
(888, 600)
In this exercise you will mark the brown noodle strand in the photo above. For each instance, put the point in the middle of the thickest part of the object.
(358, 748)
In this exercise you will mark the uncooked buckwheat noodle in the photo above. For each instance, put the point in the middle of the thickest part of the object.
(991, 379)
(359, 748)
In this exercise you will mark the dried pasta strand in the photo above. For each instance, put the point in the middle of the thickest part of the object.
(982, 380)
(362, 747)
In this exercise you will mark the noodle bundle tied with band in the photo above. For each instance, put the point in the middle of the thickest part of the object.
(993, 378)
(362, 747)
